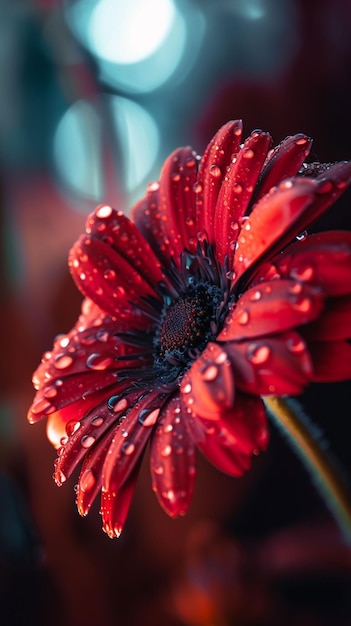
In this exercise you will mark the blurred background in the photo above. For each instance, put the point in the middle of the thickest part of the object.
(93, 96)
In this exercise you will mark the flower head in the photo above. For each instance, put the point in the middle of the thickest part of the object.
(210, 297)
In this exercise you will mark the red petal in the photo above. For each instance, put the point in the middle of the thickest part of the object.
(218, 155)
(146, 216)
(121, 235)
(229, 442)
(115, 505)
(335, 322)
(283, 162)
(177, 201)
(89, 431)
(173, 463)
(331, 360)
(208, 387)
(271, 307)
(129, 442)
(236, 191)
(109, 280)
(279, 364)
(270, 219)
(323, 259)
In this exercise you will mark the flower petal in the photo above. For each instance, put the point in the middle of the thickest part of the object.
(229, 441)
(207, 388)
(89, 431)
(278, 364)
(172, 461)
(331, 360)
(217, 157)
(270, 307)
(117, 231)
(236, 191)
(282, 214)
(129, 442)
(107, 278)
(177, 201)
(283, 161)
(323, 259)
(115, 505)
(335, 322)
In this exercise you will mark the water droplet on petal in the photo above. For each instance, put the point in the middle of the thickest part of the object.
(243, 317)
(158, 469)
(258, 354)
(128, 448)
(215, 171)
(237, 188)
(256, 295)
(166, 451)
(87, 441)
(63, 361)
(72, 427)
(230, 275)
(324, 186)
(175, 176)
(302, 304)
(153, 186)
(304, 272)
(187, 388)
(210, 373)
(98, 361)
(103, 211)
(97, 421)
(302, 236)
(296, 345)
(197, 188)
(147, 417)
(295, 288)
(109, 274)
(221, 358)
(248, 153)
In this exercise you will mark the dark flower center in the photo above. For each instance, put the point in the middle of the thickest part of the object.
(188, 323)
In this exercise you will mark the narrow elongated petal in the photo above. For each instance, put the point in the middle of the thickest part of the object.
(129, 442)
(283, 162)
(172, 460)
(271, 307)
(236, 192)
(217, 157)
(278, 364)
(323, 259)
(208, 387)
(229, 442)
(104, 275)
(115, 505)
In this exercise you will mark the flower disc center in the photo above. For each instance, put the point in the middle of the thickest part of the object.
(187, 324)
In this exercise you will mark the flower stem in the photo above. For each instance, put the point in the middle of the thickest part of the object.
(305, 439)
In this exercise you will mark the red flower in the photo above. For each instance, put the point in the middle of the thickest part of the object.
(209, 299)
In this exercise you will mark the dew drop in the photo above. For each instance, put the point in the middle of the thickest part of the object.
(97, 421)
(104, 211)
(286, 184)
(175, 176)
(187, 388)
(117, 405)
(248, 153)
(237, 188)
(296, 345)
(147, 417)
(230, 275)
(256, 295)
(301, 142)
(153, 186)
(60, 478)
(302, 304)
(158, 469)
(87, 441)
(197, 188)
(72, 427)
(258, 354)
(210, 373)
(302, 236)
(87, 480)
(296, 288)
(63, 361)
(243, 317)
(304, 272)
(325, 186)
(82, 276)
(166, 451)
(128, 448)
(98, 361)
(109, 274)
(221, 358)
(215, 171)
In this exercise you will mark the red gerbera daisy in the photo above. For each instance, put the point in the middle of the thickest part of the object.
(207, 300)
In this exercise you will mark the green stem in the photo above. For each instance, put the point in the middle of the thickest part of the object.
(304, 438)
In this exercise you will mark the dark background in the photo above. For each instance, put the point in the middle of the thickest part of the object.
(261, 550)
